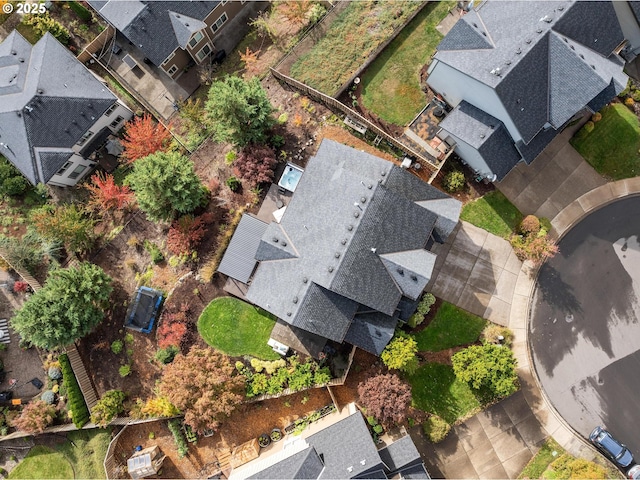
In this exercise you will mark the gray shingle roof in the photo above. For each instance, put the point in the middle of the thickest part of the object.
(464, 36)
(153, 26)
(347, 448)
(239, 258)
(448, 211)
(48, 100)
(52, 162)
(400, 454)
(302, 465)
(347, 203)
(540, 75)
(411, 270)
(486, 134)
(371, 331)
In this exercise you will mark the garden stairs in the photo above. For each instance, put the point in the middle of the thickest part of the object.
(87, 388)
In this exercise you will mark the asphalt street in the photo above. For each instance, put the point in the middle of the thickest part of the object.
(584, 332)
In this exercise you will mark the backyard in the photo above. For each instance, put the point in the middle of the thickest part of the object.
(237, 328)
(613, 145)
(352, 37)
(391, 86)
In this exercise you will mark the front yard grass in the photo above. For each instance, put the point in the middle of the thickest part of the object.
(43, 463)
(549, 451)
(494, 213)
(435, 389)
(391, 84)
(612, 148)
(352, 37)
(451, 327)
(237, 328)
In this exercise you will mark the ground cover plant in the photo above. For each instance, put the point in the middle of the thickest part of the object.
(613, 145)
(352, 37)
(282, 374)
(435, 389)
(391, 84)
(237, 328)
(450, 327)
(43, 463)
(494, 213)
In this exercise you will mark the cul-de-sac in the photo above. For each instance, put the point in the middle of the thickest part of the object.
(319, 239)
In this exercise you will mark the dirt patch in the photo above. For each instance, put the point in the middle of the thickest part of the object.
(473, 189)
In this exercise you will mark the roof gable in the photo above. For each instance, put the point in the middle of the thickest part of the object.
(51, 162)
(239, 258)
(184, 27)
(371, 331)
(411, 270)
(305, 464)
(467, 34)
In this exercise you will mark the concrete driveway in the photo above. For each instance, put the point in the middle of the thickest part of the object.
(585, 323)
(496, 443)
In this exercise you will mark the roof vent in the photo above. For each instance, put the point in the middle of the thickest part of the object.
(82, 114)
(593, 66)
(582, 56)
(344, 241)
(21, 60)
(356, 214)
(482, 135)
(363, 461)
(363, 199)
(565, 39)
(508, 62)
(288, 314)
(186, 24)
(40, 91)
(496, 71)
(90, 105)
(305, 279)
(74, 122)
(414, 278)
(475, 25)
(400, 271)
(383, 173)
(369, 186)
(349, 469)
(275, 239)
(518, 51)
(546, 19)
(539, 30)
(484, 33)
(66, 130)
(350, 227)
(572, 47)
(284, 244)
(19, 114)
(337, 254)
(28, 108)
(295, 299)
(528, 41)
(177, 16)
(374, 250)
(560, 8)
(330, 269)
(13, 52)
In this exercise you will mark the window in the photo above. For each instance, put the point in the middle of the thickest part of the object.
(172, 70)
(206, 50)
(195, 39)
(166, 60)
(223, 18)
(115, 123)
(64, 168)
(110, 109)
(85, 137)
(77, 171)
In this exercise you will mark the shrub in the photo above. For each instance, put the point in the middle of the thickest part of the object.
(124, 370)
(158, 407)
(108, 407)
(268, 366)
(567, 466)
(282, 119)
(175, 427)
(117, 346)
(424, 307)
(276, 141)
(48, 397)
(385, 397)
(255, 164)
(322, 376)
(83, 13)
(400, 353)
(489, 369)
(186, 233)
(233, 183)
(12, 182)
(173, 327)
(530, 225)
(454, 181)
(166, 355)
(35, 417)
(156, 254)
(629, 102)
(596, 117)
(20, 287)
(230, 157)
(534, 248)
(492, 332)
(436, 429)
(76, 403)
(54, 373)
(134, 241)
(43, 23)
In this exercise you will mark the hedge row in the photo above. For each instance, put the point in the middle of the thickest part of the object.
(83, 13)
(78, 406)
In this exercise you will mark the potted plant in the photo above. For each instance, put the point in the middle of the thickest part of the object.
(264, 440)
(276, 435)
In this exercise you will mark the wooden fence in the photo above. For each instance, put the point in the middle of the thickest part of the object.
(334, 104)
(98, 45)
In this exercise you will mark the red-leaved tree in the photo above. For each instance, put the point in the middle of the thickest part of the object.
(107, 196)
(173, 327)
(385, 397)
(186, 233)
(35, 417)
(143, 136)
(204, 385)
(256, 163)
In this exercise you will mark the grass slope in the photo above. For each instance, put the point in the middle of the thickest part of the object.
(451, 327)
(237, 328)
(612, 148)
(391, 84)
(43, 463)
(86, 453)
(493, 213)
(435, 389)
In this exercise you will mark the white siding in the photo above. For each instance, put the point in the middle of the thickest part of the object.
(628, 23)
(454, 86)
(64, 180)
(105, 121)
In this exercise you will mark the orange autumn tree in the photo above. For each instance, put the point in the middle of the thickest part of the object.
(107, 196)
(143, 136)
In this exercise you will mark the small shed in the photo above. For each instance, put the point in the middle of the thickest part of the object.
(143, 309)
(145, 463)
(245, 453)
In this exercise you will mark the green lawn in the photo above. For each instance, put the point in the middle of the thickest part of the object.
(237, 328)
(391, 84)
(451, 327)
(355, 34)
(29, 33)
(538, 464)
(494, 213)
(612, 148)
(81, 456)
(435, 389)
(43, 463)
